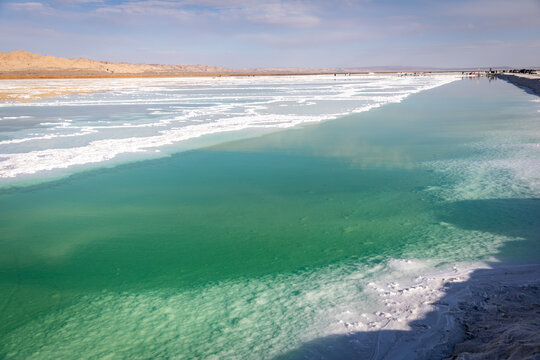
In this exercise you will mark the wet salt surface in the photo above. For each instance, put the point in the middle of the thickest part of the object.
(143, 116)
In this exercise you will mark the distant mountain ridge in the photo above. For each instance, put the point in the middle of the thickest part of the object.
(25, 63)
(22, 63)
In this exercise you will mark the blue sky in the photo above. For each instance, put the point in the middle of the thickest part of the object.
(248, 33)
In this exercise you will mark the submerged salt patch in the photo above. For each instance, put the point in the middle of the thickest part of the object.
(251, 318)
(499, 171)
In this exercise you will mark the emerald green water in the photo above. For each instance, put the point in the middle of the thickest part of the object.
(227, 242)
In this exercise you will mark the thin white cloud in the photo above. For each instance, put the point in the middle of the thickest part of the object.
(77, 2)
(28, 6)
(274, 13)
(144, 11)
(496, 13)
(294, 15)
(311, 40)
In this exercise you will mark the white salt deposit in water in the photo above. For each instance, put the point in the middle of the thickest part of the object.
(285, 311)
(142, 116)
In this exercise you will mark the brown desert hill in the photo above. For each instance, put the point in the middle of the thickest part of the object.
(23, 63)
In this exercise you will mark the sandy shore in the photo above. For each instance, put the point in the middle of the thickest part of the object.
(42, 89)
(24, 95)
(49, 86)
(124, 76)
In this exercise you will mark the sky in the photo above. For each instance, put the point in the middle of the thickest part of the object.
(279, 33)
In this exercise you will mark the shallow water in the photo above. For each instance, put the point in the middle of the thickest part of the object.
(250, 248)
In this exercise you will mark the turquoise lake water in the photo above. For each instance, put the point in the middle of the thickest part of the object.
(249, 248)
